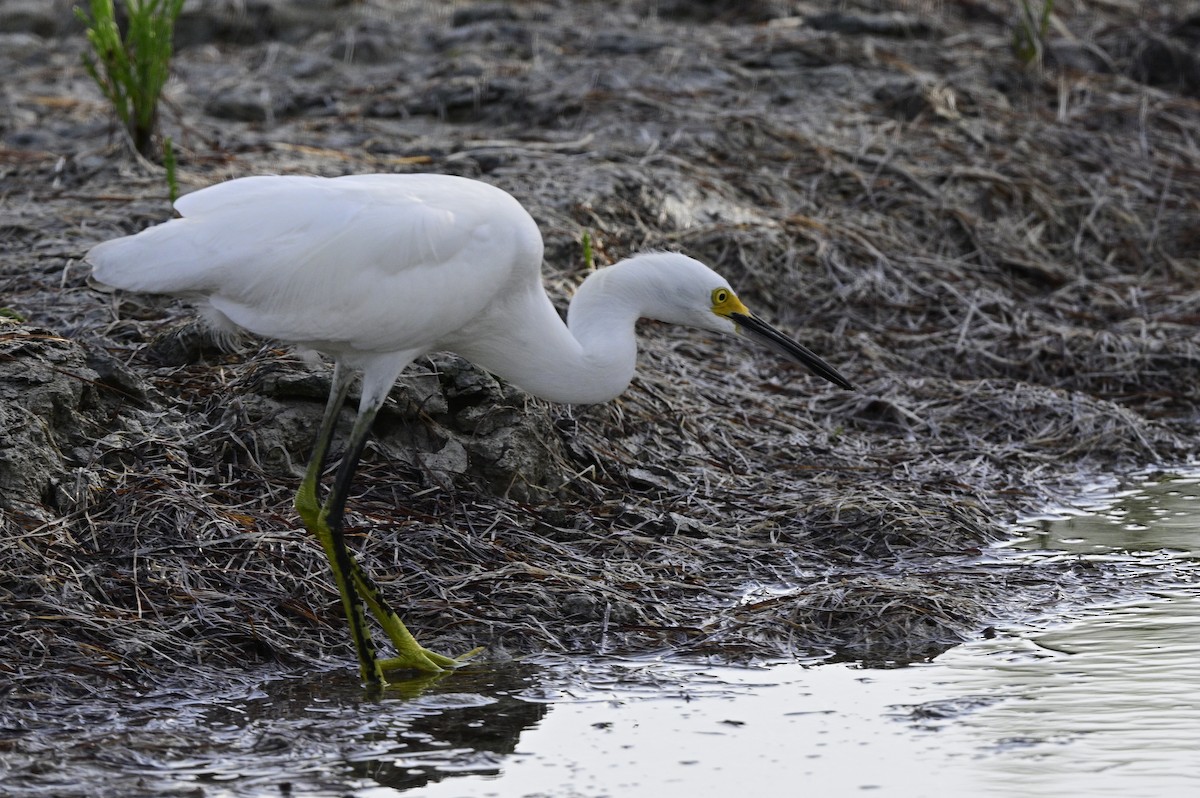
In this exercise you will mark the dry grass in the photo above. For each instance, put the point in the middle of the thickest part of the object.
(1005, 261)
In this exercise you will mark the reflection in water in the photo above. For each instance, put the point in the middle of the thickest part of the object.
(465, 725)
(1107, 704)
(1101, 707)
(316, 735)
(1104, 706)
(1160, 513)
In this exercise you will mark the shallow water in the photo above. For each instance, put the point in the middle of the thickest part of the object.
(1160, 512)
(1100, 703)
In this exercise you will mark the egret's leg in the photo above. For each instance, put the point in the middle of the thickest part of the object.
(315, 520)
(306, 498)
(325, 522)
(340, 561)
(410, 655)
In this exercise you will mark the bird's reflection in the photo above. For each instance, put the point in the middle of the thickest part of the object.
(415, 733)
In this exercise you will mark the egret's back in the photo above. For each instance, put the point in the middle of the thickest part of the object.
(370, 262)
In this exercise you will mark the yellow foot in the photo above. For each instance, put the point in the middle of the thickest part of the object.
(420, 659)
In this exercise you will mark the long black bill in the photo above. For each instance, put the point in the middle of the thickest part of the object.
(755, 328)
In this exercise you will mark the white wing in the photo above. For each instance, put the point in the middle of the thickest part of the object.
(376, 262)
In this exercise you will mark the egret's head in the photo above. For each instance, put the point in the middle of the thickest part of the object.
(677, 289)
(685, 291)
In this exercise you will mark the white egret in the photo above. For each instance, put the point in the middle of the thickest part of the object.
(376, 270)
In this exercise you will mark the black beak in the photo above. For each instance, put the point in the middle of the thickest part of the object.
(755, 328)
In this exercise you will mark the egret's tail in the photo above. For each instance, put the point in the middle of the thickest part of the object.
(166, 259)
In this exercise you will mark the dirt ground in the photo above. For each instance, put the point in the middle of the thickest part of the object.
(1002, 256)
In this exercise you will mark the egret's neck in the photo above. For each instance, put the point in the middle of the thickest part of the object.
(589, 360)
(602, 318)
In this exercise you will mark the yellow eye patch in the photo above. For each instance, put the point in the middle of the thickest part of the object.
(725, 302)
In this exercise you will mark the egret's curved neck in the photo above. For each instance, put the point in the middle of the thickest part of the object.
(590, 359)
(602, 317)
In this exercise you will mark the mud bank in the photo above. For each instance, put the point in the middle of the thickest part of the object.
(1003, 258)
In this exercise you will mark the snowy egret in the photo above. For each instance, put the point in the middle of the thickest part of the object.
(375, 270)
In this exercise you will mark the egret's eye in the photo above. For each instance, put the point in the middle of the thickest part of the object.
(725, 303)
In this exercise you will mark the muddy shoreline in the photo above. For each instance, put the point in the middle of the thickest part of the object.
(1003, 258)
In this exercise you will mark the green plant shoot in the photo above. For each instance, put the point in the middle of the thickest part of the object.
(132, 70)
(588, 256)
(1029, 34)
